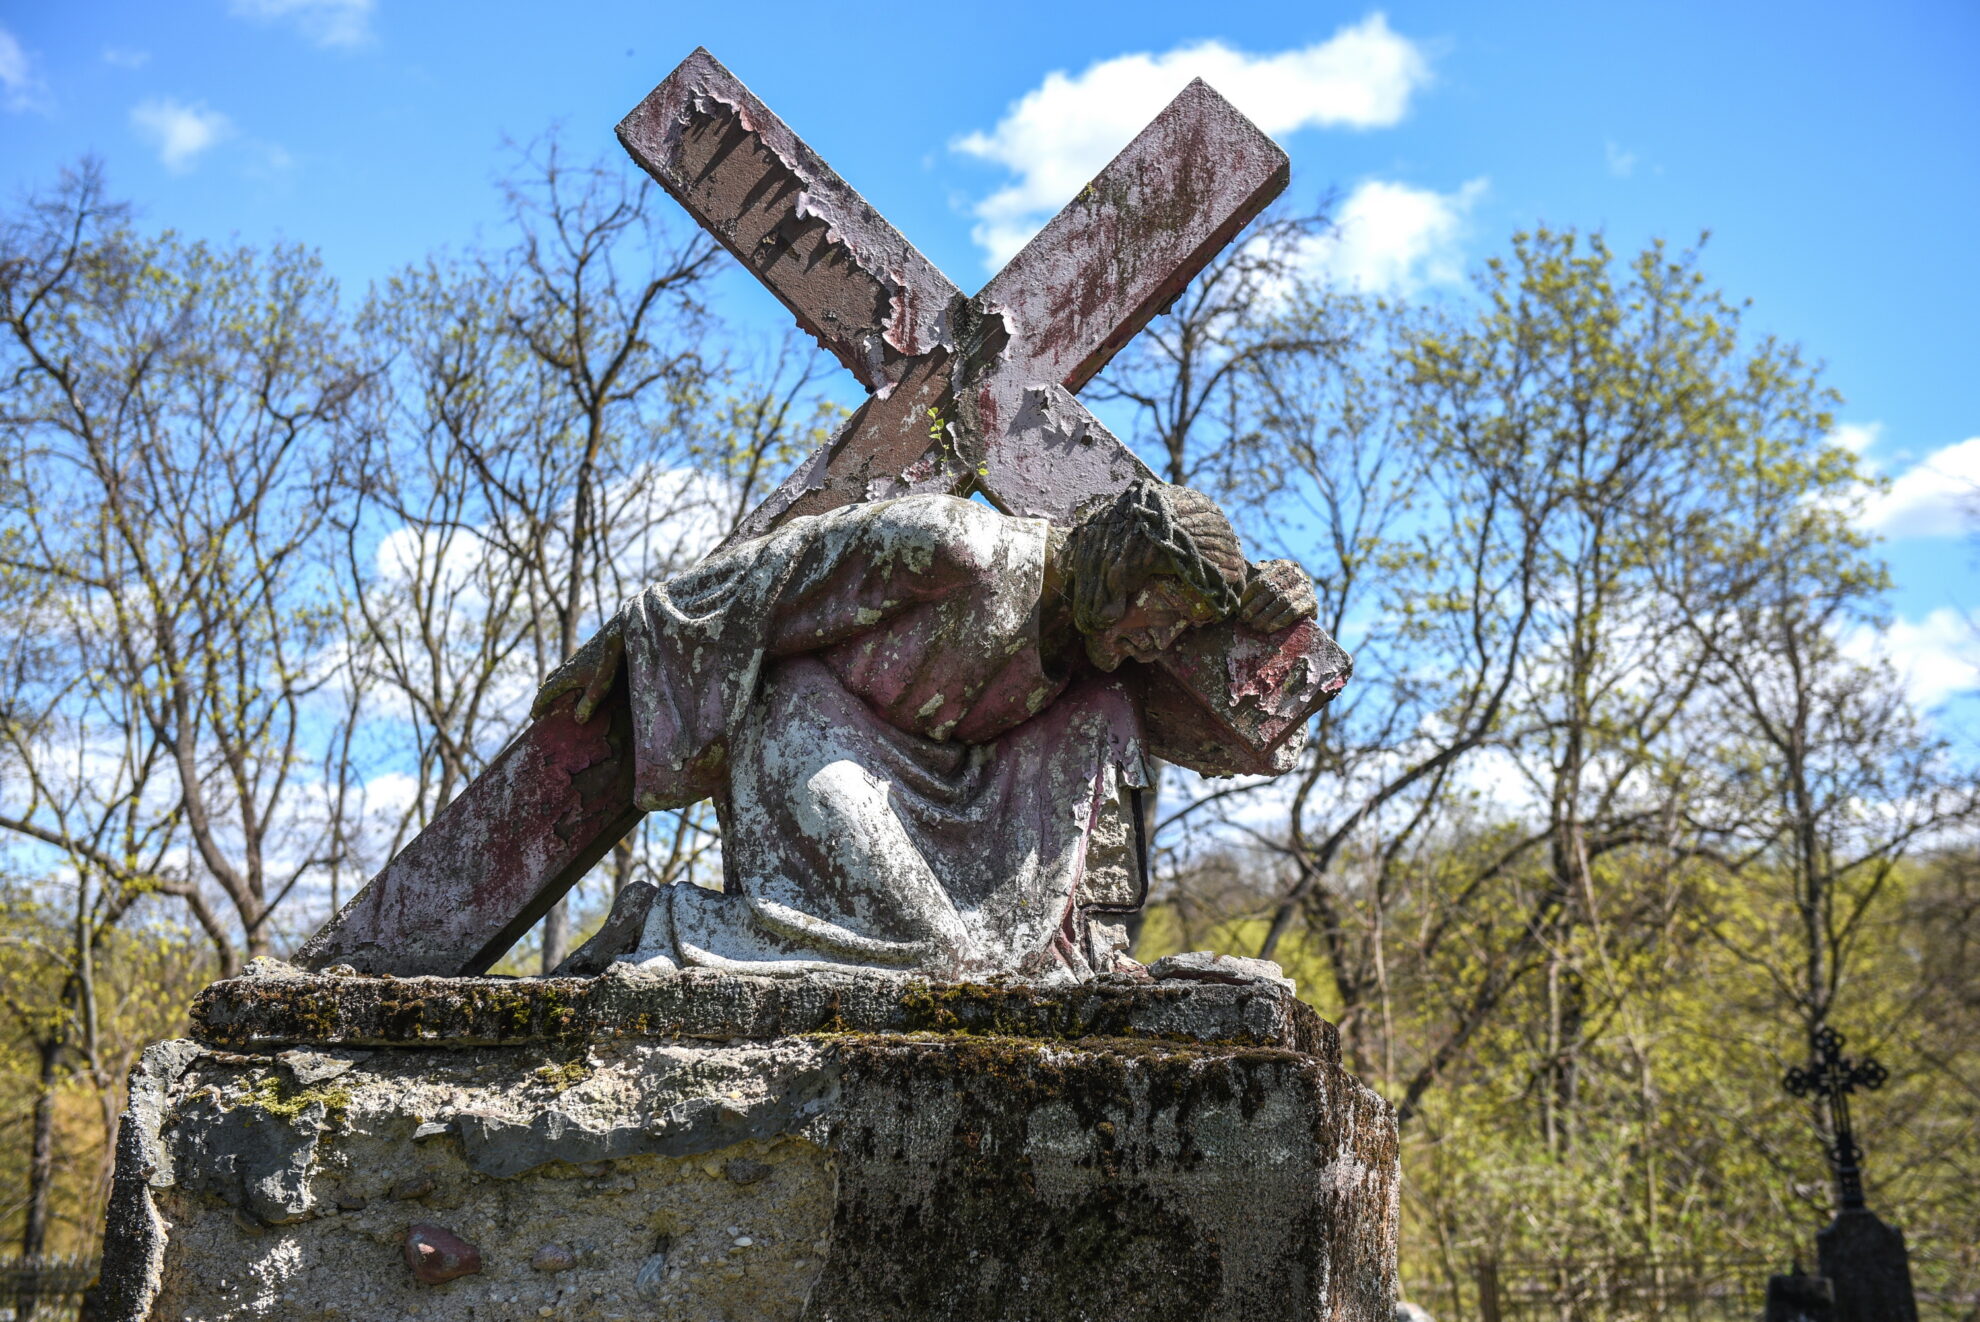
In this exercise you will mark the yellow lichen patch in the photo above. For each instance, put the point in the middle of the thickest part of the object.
(277, 1096)
(566, 1076)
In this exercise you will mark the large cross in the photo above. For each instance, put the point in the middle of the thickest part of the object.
(967, 394)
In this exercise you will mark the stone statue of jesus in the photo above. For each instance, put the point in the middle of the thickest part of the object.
(912, 718)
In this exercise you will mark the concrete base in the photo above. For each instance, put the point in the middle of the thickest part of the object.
(700, 1146)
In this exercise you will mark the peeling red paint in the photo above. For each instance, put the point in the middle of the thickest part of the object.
(494, 860)
(1258, 666)
(1079, 291)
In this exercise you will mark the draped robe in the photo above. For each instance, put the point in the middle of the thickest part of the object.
(903, 780)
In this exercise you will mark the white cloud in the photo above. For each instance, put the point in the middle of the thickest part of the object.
(1389, 237)
(1935, 656)
(1058, 135)
(325, 22)
(1856, 437)
(1937, 497)
(21, 87)
(180, 133)
(126, 57)
(1622, 164)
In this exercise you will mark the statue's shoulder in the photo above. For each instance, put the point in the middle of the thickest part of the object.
(967, 529)
(932, 508)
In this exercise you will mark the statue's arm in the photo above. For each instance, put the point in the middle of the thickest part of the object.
(1252, 659)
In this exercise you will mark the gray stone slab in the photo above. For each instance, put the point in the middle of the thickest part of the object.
(279, 1007)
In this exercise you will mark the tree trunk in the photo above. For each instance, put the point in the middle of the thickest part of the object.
(41, 1176)
(556, 935)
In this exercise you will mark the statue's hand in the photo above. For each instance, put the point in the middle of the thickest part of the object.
(1278, 596)
(590, 672)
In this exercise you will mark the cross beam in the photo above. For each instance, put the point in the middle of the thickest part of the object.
(1000, 368)
(995, 373)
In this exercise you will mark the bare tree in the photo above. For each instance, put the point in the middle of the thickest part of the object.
(162, 417)
(1191, 380)
(166, 409)
(1829, 780)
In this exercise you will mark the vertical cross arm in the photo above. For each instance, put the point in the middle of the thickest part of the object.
(849, 277)
(1088, 282)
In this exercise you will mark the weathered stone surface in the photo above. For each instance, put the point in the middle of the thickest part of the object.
(132, 1229)
(309, 1067)
(1107, 1184)
(618, 933)
(1230, 970)
(268, 1013)
(989, 1161)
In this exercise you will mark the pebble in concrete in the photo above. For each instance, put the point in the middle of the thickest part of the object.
(651, 1279)
(436, 1254)
(553, 1258)
(744, 1171)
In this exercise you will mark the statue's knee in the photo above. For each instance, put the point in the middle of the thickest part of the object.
(840, 788)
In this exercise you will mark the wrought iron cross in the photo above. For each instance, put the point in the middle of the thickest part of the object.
(966, 394)
(1834, 1076)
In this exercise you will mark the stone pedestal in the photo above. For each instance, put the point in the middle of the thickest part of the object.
(702, 1146)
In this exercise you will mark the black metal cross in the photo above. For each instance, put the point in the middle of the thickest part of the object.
(1833, 1076)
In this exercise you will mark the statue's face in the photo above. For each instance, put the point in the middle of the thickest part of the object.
(1161, 611)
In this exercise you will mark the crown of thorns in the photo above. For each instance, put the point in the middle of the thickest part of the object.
(1166, 523)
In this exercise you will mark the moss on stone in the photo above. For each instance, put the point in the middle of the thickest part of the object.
(562, 1078)
(265, 1013)
(279, 1096)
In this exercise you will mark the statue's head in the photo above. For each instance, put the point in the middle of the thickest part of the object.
(1155, 562)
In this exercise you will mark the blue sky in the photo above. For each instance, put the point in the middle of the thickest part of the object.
(1831, 150)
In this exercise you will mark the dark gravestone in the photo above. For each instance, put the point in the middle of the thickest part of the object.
(1797, 1298)
(1865, 1262)
(1863, 1259)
